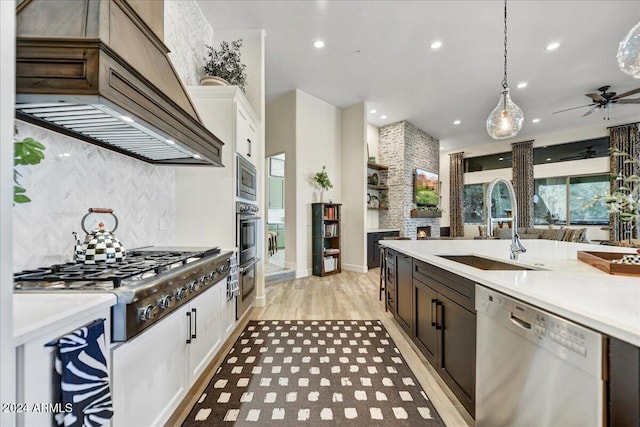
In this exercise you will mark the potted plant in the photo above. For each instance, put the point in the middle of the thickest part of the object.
(25, 152)
(322, 179)
(223, 66)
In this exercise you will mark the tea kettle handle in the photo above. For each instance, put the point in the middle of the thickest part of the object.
(100, 210)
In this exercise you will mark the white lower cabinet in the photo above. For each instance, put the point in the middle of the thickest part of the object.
(153, 372)
(34, 370)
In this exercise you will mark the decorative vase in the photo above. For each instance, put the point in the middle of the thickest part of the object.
(213, 81)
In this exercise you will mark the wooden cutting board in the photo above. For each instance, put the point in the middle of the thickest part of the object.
(602, 261)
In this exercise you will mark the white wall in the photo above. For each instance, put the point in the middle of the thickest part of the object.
(318, 143)
(354, 184)
(576, 167)
(7, 111)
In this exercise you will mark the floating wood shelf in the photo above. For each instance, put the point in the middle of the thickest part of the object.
(377, 166)
(377, 187)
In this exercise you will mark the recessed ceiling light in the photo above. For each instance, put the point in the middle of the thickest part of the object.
(373, 111)
(436, 45)
(522, 85)
(535, 121)
(457, 122)
(553, 46)
(548, 159)
(318, 44)
(127, 119)
(383, 117)
(442, 148)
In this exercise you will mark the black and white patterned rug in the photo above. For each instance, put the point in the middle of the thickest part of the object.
(324, 372)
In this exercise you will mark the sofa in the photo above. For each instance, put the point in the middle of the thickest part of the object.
(562, 234)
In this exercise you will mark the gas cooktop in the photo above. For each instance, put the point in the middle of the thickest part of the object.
(138, 264)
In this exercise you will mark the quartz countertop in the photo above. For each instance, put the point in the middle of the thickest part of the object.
(563, 284)
(36, 314)
(381, 230)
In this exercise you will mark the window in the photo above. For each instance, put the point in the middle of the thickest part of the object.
(490, 162)
(559, 199)
(581, 150)
(473, 203)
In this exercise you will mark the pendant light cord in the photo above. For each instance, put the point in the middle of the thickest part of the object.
(504, 81)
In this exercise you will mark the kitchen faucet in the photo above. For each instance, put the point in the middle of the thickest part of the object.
(516, 245)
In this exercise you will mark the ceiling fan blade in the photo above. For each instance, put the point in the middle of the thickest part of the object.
(591, 111)
(628, 101)
(596, 97)
(631, 92)
(573, 108)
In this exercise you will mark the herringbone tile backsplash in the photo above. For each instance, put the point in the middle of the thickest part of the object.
(76, 176)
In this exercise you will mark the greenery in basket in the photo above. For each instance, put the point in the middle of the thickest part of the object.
(322, 179)
(428, 209)
(226, 64)
(25, 152)
(625, 201)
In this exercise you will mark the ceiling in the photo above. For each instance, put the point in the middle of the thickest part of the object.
(378, 51)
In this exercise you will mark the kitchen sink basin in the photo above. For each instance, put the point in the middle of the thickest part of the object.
(484, 263)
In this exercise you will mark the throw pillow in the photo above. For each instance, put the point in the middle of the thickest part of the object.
(553, 234)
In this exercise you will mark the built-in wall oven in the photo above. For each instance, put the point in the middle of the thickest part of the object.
(247, 241)
(246, 179)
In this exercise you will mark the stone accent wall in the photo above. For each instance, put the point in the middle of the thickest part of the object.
(404, 147)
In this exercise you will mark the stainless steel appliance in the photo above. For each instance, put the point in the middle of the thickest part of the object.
(247, 240)
(150, 283)
(246, 179)
(534, 368)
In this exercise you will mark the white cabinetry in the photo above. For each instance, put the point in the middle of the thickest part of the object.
(153, 372)
(34, 366)
(205, 196)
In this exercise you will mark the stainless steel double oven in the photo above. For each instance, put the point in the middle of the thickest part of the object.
(247, 241)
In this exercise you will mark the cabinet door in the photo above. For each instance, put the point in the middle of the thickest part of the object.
(404, 293)
(206, 327)
(426, 331)
(373, 251)
(457, 362)
(276, 193)
(246, 135)
(149, 373)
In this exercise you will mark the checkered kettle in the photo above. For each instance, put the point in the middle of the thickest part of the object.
(100, 245)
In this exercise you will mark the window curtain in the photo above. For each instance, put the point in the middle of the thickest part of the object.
(456, 181)
(624, 138)
(523, 184)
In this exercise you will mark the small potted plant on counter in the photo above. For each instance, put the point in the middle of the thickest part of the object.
(223, 67)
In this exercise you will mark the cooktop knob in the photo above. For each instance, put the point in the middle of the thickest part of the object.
(180, 293)
(194, 286)
(147, 312)
(165, 302)
(221, 269)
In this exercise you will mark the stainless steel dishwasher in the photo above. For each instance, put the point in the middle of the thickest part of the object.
(534, 368)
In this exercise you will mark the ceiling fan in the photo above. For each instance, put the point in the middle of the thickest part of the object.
(586, 153)
(605, 99)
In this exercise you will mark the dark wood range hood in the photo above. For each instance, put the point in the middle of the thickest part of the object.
(97, 70)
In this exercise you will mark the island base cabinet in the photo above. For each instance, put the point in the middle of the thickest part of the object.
(624, 383)
(404, 293)
(457, 363)
(426, 334)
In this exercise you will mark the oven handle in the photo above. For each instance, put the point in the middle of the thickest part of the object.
(248, 265)
(244, 217)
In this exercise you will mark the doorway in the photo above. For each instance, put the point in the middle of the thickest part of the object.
(276, 230)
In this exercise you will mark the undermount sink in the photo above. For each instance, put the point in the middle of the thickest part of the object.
(484, 263)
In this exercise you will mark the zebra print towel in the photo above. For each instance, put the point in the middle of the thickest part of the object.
(81, 378)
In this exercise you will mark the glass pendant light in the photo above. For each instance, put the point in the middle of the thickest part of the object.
(629, 52)
(505, 121)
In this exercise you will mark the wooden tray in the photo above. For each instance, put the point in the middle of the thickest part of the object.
(602, 261)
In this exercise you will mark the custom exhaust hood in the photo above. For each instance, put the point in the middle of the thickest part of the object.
(96, 70)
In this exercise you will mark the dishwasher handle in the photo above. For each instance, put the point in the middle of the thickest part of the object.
(519, 322)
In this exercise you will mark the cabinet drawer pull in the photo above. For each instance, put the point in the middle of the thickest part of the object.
(195, 323)
(189, 334)
(439, 319)
(249, 153)
(433, 311)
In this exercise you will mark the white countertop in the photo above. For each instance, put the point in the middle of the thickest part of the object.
(567, 287)
(381, 230)
(36, 314)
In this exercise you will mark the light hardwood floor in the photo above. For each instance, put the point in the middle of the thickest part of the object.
(347, 295)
